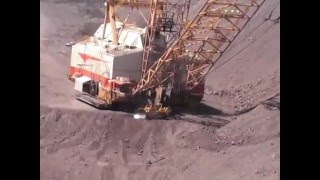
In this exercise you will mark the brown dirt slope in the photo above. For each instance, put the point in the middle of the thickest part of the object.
(88, 145)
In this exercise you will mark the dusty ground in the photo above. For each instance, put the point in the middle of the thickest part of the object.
(239, 137)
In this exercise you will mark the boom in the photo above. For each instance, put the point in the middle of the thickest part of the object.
(201, 44)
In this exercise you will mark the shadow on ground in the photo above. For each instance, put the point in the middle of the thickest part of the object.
(199, 109)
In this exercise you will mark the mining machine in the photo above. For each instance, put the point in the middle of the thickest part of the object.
(154, 53)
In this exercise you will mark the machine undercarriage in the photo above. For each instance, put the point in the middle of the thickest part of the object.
(151, 104)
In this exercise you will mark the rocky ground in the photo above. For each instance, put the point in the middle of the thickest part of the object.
(234, 134)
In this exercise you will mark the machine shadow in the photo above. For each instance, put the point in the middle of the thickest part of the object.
(198, 109)
(201, 109)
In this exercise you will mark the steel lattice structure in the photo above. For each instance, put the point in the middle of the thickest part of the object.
(201, 43)
(166, 18)
(161, 12)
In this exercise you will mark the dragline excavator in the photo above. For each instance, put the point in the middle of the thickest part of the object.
(154, 52)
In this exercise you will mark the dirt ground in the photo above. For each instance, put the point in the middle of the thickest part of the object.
(234, 134)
